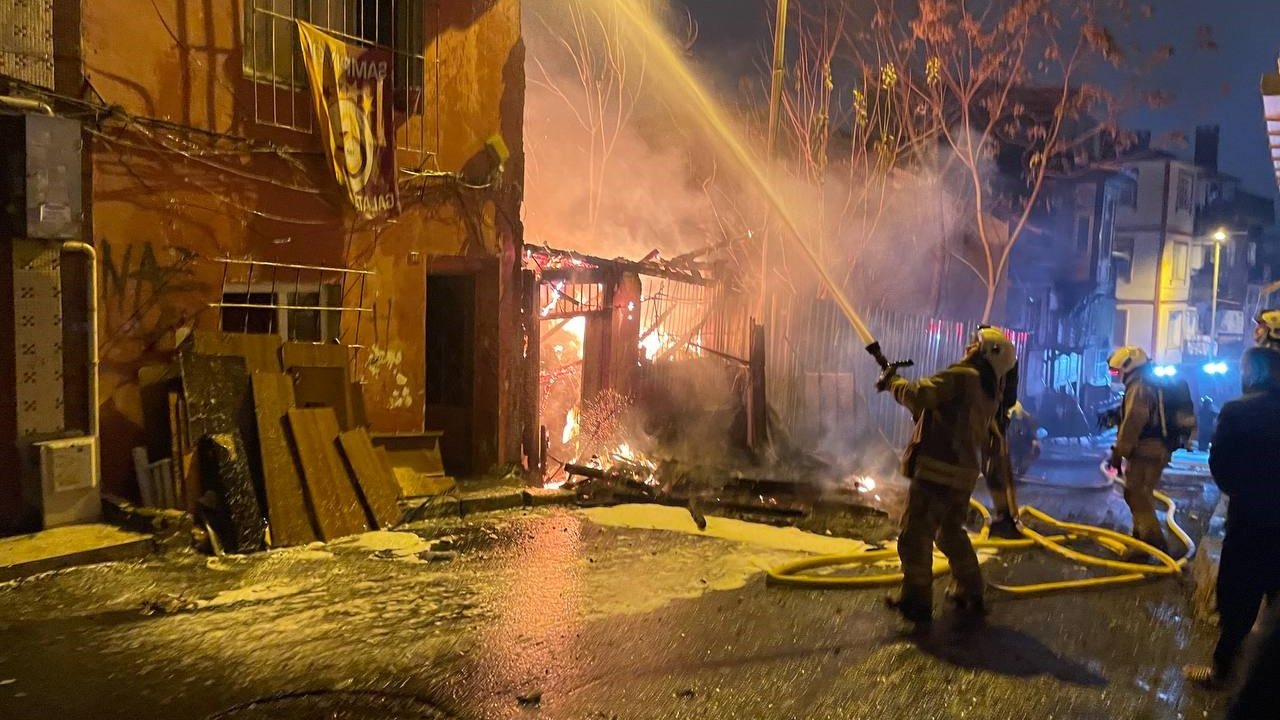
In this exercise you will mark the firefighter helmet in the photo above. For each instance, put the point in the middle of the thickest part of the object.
(1127, 360)
(1267, 331)
(991, 344)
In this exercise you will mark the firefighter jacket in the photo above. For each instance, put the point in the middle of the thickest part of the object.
(953, 411)
(1140, 433)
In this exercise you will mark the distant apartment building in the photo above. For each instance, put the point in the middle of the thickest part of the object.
(1234, 226)
(1061, 282)
(1153, 248)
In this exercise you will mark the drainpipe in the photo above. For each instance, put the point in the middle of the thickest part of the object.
(87, 250)
(21, 103)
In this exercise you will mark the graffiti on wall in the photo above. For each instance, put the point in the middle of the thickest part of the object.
(134, 275)
(142, 289)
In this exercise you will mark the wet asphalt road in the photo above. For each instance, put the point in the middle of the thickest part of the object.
(543, 614)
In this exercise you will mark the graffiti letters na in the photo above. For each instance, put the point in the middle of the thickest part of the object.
(134, 278)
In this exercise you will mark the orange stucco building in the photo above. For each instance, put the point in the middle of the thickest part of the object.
(200, 146)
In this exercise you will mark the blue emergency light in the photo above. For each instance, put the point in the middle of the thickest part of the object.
(1215, 367)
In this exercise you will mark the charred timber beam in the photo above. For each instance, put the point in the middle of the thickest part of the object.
(573, 274)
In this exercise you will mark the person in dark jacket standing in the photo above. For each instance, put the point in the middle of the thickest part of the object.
(1243, 465)
(954, 413)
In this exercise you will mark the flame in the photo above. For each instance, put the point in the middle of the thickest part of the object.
(577, 327)
(570, 426)
(555, 299)
(861, 483)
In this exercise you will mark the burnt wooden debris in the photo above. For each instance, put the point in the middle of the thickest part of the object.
(231, 503)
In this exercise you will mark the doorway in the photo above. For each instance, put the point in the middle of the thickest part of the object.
(450, 372)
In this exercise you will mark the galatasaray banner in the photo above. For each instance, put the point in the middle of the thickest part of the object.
(351, 87)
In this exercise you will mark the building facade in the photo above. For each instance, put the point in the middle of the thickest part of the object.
(1154, 237)
(206, 187)
(1061, 283)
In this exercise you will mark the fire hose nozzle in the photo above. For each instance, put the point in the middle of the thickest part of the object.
(885, 364)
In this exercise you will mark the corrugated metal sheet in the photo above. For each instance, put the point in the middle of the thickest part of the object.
(26, 40)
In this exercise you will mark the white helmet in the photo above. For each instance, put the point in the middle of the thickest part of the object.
(1267, 331)
(1127, 360)
(991, 344)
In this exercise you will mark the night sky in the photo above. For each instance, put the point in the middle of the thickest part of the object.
(1209, 87)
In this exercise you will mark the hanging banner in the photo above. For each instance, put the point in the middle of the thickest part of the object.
(351, 88)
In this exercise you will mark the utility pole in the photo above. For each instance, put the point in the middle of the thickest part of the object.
(757, 400)
(779, 73)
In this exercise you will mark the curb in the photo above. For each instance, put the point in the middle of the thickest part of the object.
(127, 549)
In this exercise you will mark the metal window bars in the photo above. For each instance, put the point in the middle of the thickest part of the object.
(273, 281)
(272, 60)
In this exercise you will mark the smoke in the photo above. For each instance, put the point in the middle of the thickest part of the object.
(618, 164)
(610, 170)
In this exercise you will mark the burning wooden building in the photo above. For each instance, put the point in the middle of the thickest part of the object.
(633, 356)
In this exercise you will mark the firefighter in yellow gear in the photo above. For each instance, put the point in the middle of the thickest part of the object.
(1140, 442)
(1266, 329)
(954, 413)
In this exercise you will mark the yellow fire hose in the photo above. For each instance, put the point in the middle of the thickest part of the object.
(793, 573)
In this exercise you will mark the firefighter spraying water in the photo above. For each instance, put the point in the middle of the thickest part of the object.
(981, 444)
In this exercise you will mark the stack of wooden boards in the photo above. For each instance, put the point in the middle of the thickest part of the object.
(260, 434)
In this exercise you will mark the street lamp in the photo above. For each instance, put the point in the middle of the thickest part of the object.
(1219, 237)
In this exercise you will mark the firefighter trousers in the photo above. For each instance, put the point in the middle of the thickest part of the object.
(998, 472)
(1140, 484)
(936, 513)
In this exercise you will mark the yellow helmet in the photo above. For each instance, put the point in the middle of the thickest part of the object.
(1124, 361)
(1266, 333)
(991, 344)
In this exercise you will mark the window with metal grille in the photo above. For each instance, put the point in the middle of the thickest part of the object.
(272, 57)
(308, 314)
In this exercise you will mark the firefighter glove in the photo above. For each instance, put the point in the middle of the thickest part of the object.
(886, 378)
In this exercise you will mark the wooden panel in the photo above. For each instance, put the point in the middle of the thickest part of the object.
(359, 416)
(186, 471)
(419, 451)
(333, 496)
(414, 484)
(324, 387)
(154, 384)
(313, 355)
(287, 512)
(261, 351)
(237, 517)
(379, 489)
(219, 400)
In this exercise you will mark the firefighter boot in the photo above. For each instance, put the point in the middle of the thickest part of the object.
(915, 605)
(967, 604)
(1006, 527)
